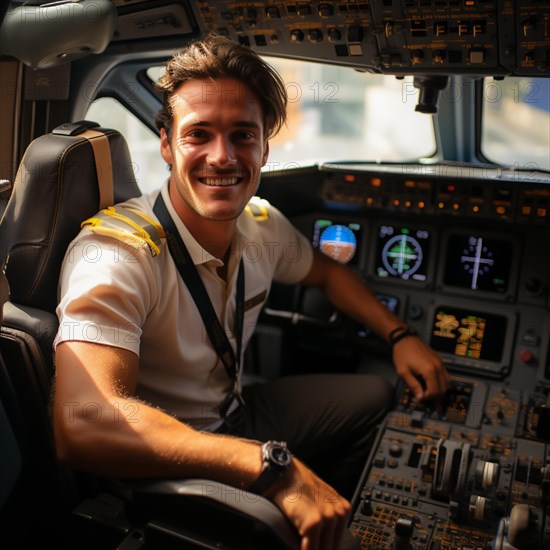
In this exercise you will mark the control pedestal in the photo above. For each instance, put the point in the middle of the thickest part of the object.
(469, 473)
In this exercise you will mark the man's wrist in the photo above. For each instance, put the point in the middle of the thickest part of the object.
(399, 334)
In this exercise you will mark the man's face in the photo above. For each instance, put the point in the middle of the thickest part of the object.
(217, 148)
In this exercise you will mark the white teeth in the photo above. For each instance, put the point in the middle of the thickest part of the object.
(220, 181)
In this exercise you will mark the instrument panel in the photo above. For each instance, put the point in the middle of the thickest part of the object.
(459, 253)
(464, 266)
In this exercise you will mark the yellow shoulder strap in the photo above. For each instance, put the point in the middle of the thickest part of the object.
(258, 212)
(128, 225)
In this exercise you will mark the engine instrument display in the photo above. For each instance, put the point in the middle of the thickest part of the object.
(338, 240)
(478, 263)
(468, 334)
(402, 253)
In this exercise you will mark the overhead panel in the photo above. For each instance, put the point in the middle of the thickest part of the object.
(414, 36)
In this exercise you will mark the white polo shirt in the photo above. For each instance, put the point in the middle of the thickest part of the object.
(122, 296)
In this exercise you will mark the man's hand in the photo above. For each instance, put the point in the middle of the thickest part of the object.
(318, 512)
(413, 358)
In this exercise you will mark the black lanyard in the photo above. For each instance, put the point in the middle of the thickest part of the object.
(191, 278)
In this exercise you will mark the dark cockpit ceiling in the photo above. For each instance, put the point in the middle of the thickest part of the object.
(421, 37)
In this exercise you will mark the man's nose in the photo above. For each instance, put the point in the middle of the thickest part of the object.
(222, 152)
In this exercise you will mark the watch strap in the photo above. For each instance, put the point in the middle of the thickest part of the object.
(264, 481)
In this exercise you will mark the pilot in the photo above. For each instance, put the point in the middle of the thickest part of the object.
(160, 295)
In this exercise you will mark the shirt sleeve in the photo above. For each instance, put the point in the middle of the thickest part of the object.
(106, 290)
(295, 251)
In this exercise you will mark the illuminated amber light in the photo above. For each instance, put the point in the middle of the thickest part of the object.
(475, 208)
(396, 202)
(441, 205)
(456, 206)
(349, 178)
(421, 204)
(370, 200)
(407, 204)
(410, 183)
(501, 210)
(376, 182)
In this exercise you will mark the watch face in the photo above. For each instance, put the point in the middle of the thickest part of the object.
(280, 455)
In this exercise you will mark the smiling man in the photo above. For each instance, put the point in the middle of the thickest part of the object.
(154, 329)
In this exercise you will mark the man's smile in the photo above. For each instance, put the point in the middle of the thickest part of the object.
(220, 181)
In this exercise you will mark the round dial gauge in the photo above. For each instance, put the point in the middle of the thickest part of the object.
(338, 242)
(477, 260)
(402, 256)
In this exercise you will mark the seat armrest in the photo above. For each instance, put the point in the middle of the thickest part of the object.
(214, 511)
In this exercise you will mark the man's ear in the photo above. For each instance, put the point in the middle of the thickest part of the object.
(266, 153)
(165, 148)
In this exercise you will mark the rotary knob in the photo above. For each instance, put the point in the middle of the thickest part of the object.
(395, 449)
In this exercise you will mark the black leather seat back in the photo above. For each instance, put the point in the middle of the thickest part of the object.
(55, 190)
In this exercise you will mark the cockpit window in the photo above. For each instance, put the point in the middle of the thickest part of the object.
(516, 122)
(340, 114)
(148, 166)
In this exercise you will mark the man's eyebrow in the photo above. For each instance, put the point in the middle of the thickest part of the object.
(238, 124)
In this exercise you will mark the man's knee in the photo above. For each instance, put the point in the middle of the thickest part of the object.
(374, 395)
(382, 392)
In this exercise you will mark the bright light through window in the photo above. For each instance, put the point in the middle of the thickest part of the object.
(516, 122)
(338, 114)
(149, 167)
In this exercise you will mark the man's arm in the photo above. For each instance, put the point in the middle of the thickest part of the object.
(101, 428)
(411, 356)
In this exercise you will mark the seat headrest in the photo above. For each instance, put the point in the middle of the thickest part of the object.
(56, 188)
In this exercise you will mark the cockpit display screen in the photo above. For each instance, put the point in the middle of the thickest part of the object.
(469, 334)
(402, 253)
(340, 241)
(478, 263)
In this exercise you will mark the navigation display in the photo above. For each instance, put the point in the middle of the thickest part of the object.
(340, 241)
(402, 253)
(478, 263)
(469, 334)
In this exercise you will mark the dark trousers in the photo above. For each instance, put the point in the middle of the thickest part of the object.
(327, 420)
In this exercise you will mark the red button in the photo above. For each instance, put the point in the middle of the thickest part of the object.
(526, 356)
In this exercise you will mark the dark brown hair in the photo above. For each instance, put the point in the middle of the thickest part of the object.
(219, 57)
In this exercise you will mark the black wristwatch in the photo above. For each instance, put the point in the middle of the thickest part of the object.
(276, 460)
